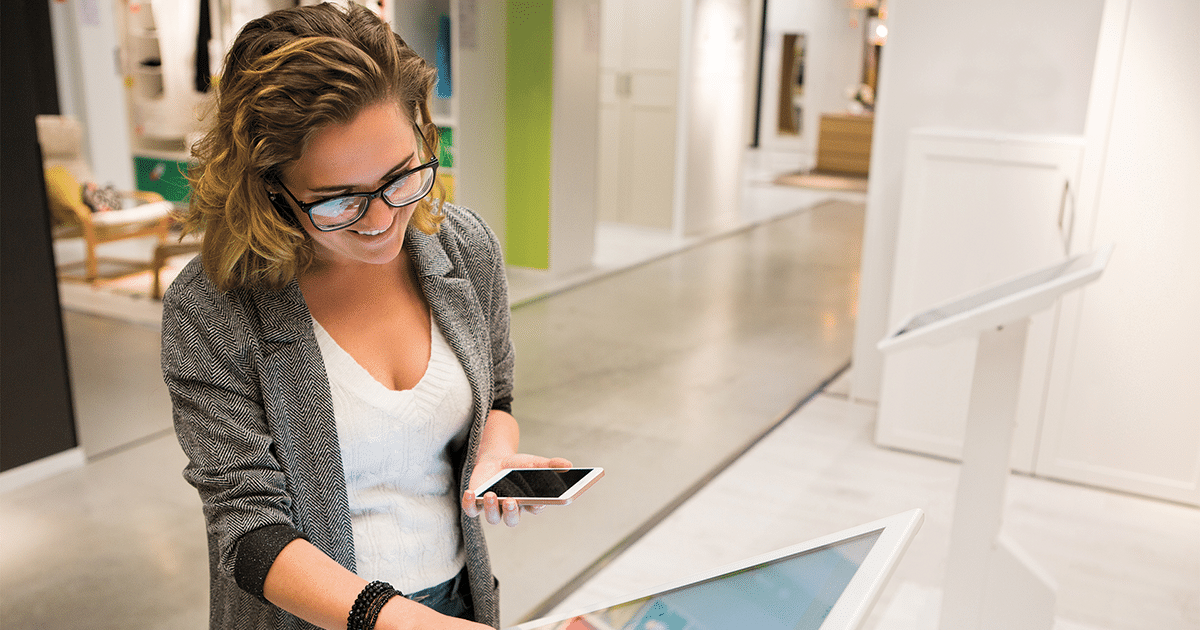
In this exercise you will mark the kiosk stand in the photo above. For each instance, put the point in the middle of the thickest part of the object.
(990, 583)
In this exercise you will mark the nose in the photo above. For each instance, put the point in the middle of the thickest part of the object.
(379, 215)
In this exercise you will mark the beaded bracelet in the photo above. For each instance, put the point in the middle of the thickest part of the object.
(370, 601)
(376, 607)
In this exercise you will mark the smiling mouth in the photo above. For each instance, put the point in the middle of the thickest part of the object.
(372, 232)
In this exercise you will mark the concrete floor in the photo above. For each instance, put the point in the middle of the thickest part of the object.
(663, 373)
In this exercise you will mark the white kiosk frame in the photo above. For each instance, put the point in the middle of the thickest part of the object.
(990, 582)
(839, 608)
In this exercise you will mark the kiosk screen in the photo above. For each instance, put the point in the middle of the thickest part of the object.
(790, 593)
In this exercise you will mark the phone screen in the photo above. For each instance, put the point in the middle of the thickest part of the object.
(539, 483)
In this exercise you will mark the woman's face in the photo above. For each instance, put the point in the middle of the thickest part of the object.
(358, 156)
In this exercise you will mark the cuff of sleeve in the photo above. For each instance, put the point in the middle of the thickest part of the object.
(256, 552)
(503, 404)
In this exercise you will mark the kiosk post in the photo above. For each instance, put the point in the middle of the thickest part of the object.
(990, 583)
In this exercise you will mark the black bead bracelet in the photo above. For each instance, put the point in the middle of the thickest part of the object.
(365, 611)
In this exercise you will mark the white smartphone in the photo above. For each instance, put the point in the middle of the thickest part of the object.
(540, 486)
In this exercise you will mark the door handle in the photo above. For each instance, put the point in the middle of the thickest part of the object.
(624, 84)
(1066, 221)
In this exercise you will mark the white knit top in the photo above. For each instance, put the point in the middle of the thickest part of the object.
(404, 503)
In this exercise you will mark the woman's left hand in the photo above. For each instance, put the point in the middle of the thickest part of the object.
(493, 509)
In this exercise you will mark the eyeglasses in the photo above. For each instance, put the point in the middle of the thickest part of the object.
(339, 212)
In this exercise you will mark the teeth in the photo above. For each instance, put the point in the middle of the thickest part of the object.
(372, 232)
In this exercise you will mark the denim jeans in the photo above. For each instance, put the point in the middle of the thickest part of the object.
(451, 598)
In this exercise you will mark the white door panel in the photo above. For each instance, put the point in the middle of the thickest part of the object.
(639, 92)
(976, 209)
(608, 185)
(651, 182)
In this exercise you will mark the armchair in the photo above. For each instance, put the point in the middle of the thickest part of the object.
(66, 171)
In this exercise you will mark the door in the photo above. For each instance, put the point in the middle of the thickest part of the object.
(976, 209)
(639, 84)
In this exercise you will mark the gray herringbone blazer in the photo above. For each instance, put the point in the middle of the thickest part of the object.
(253, 412)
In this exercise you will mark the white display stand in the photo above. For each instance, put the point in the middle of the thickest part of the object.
(990, 583)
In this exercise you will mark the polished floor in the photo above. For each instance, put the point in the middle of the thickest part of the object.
(663, 372)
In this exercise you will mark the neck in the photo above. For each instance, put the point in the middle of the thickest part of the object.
(354, 273)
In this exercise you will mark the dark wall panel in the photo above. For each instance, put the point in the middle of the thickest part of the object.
(36, 415)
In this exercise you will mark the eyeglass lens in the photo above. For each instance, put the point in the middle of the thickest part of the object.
(406, 189)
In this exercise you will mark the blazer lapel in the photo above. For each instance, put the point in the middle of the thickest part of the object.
(456, 310)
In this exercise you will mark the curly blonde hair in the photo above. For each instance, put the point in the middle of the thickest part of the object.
(287, 76)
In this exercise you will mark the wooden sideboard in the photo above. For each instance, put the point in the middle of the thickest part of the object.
(844, 143)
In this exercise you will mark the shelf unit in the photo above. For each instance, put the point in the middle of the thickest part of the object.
(161, 112)
(426, 26)
(471, 110)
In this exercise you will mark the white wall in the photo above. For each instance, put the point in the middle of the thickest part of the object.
(480, 91)
(1023, 66)
(714, 112)
(834, 63)
(86, 52)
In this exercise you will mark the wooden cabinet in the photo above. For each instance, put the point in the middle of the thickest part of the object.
(844, 143)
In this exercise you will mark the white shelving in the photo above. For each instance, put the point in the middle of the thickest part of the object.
(474, 113)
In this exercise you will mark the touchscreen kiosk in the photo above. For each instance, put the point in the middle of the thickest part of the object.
(825, 584)
(990, 582)
(999, 304)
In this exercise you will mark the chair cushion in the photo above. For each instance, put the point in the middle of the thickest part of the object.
(144, 212)
(101, 198)
(63, 195)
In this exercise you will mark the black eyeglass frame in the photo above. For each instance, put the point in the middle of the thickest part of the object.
(306, 208)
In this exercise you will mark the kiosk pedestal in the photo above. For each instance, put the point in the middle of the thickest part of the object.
(990, 583)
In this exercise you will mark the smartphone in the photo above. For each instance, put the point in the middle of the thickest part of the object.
(540, 486)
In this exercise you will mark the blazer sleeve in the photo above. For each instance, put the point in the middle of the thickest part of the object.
(208, 365)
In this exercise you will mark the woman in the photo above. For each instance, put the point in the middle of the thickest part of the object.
(338, 356)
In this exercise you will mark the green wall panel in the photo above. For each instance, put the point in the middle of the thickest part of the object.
(165, 177)
(530, 91)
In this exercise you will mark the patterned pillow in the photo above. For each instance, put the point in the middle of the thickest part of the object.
(101, 198)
